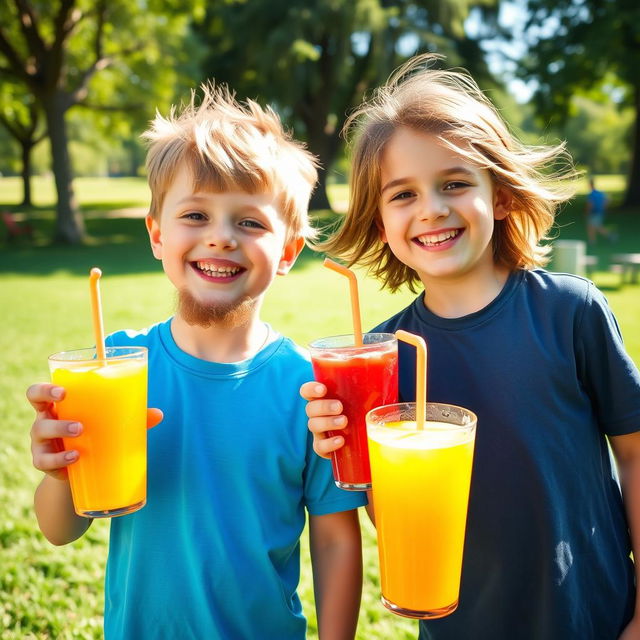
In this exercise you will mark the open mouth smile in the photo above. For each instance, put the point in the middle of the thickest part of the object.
(438, 240)
(217, 271)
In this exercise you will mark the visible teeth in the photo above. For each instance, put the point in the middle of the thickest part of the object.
(213, 270)
(438, 238)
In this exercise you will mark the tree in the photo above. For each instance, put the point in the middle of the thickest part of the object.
(576, 45)
(54, 49)
(21, 117)
(314, 61)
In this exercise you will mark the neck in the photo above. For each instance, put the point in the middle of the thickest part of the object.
(460, 296)
(220, 342)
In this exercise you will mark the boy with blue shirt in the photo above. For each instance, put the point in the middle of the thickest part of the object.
(215, 551)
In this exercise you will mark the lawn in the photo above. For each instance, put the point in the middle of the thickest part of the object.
(56, 593)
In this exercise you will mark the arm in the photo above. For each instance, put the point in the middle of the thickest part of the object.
(56, 516)
(336, 557)
(627, 453)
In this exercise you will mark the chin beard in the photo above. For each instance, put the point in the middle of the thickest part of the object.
(230, 314)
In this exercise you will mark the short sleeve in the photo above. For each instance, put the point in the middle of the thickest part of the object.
(605, 369)
(322, 496)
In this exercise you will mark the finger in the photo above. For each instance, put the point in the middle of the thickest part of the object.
(325, 447)
(43, 395)
(46, 429)
(154, 417)
(51, 462)
(321, 425)
(317, 408)
(312, 390)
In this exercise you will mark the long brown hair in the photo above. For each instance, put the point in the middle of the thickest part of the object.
(450, 105)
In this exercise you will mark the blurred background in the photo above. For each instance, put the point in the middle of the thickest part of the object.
(82, 78)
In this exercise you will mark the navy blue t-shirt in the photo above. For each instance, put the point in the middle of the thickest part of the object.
(547, 552)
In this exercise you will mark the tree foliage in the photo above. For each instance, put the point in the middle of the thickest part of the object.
(55, 49)
(578, 45)
(315, 61)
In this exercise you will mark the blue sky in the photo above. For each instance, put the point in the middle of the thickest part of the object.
(502, 54)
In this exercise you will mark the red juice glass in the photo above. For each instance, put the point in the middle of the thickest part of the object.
(361, 377)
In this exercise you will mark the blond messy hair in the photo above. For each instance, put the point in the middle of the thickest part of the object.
(450, 105)
(230, 146)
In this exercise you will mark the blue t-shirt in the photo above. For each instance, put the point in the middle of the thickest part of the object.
(215, 552)
(597, 199)
(547, 546)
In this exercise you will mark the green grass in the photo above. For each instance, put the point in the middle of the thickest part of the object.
(57, 593)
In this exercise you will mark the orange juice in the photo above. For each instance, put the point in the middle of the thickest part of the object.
(109, 398)
(420, 484)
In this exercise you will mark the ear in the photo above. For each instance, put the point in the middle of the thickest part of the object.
(381, 231)
(155, 236)
(502, 203)
(290, 253)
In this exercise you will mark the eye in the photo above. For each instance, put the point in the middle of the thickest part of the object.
(455, 184)
(403, 195)
(196, 216)
(251, 224)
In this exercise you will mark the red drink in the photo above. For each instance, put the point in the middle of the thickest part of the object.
(362, 378)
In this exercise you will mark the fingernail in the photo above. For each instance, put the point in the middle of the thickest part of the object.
(337, 441)
(70, 456)
(334, 406)
(74, 428)
(319, 389)
(339, 421)
(56, 392)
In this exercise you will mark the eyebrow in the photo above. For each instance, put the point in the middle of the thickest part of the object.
(192, 197)
(446, 172)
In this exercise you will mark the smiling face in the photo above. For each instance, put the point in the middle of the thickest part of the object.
(220, 250)
(437, 209)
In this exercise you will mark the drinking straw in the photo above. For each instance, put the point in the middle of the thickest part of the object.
(421, 372)
(96, 312)
(355, 299)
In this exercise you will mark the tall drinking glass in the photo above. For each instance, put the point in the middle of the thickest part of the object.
(361, 377)
(421, 482)
(109, 398)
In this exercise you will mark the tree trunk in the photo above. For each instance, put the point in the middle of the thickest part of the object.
(632, 195)
(325, 146)
(69, 227)
(26, 173)
(319, 197)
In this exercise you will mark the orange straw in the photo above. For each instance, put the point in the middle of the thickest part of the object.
(355, 299)
(421, 372)
(96, 312)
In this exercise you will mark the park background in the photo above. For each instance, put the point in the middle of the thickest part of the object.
(80, 79)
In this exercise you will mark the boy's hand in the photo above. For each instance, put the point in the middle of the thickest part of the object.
(324, 415)
(46, 432)
(47, 450)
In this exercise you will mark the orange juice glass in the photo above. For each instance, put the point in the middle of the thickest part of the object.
(420, 482)
(109, 398)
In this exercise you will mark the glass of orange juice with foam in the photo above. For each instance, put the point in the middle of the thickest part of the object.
(107, 393)
(420, 481)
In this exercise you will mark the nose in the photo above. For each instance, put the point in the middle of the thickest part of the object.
(433, 206)
(220, 235)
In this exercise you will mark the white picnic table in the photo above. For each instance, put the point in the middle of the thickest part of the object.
(629, 265)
